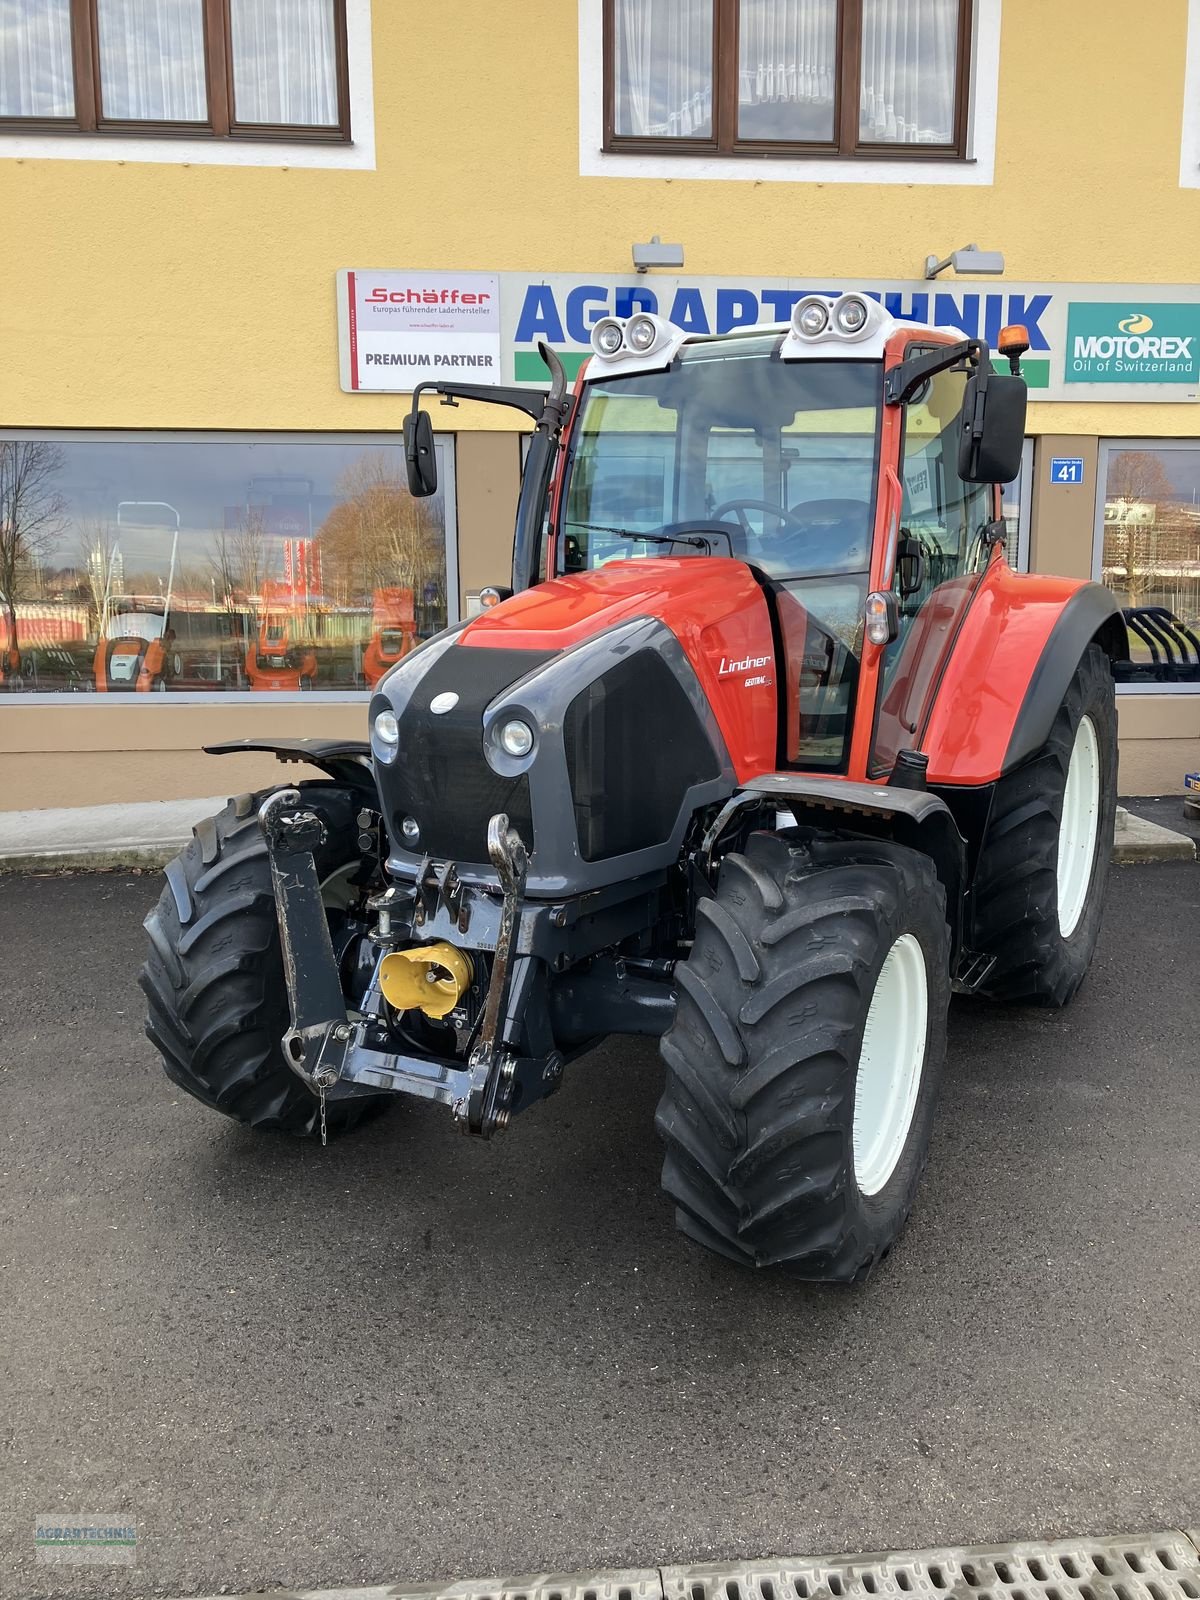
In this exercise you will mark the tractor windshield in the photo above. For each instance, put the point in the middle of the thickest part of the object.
(735, 452)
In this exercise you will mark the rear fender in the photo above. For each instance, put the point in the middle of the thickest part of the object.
(1019, 645)
(347, 761)
(911, 817)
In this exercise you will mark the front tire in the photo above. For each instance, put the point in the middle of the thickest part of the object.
(214, 980)
(1043, 867)
(803, 1062)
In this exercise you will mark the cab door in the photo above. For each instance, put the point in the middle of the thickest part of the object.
(942, 551)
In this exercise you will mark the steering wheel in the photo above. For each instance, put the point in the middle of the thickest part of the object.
(740, 506)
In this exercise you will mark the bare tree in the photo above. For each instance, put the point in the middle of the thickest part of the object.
(240, 558)
(102, 568)
(1139, 478)
(378, 536)
(32, 515)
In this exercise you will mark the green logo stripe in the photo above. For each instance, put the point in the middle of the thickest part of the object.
(528, 366)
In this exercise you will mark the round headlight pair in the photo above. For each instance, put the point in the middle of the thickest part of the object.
(639, 335)
(815, 316)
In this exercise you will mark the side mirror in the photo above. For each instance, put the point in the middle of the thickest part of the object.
(993, 428)
(419, 458)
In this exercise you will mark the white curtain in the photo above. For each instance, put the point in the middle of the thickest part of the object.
(787, 53)
(152, 60)
(284, 62)
(35, 59)
(664, 68)
(909, 68)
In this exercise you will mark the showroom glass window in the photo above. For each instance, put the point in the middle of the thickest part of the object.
(1148, 549)
(787, 77)
(156, 565)
(274, 69)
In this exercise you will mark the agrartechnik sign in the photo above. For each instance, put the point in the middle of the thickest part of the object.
(562, 309)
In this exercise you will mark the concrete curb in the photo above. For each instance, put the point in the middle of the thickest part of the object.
(1138, 841)
(104, 838)
(94, 838)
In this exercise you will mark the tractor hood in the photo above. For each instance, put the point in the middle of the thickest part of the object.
(648, 687)
(714, 606)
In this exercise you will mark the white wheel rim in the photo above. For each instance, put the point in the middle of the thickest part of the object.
(1078, 828)
(890, 1064)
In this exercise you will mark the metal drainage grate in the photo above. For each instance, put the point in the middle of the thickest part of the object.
(635, 1584)
(1155, 1566)
(1160, 1566)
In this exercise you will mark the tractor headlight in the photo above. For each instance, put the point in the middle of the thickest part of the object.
(811, 318)
(607, 337)
(850, 314)
(385, 737)
(641, 334)
(515, 738)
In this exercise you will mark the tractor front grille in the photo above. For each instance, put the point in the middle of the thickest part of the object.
(634, 747)
(442, 777)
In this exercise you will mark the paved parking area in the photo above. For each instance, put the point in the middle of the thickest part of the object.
(411, 1356)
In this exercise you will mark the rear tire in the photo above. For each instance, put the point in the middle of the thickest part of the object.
(214, 980)
(803, 1062)
(1043, 867)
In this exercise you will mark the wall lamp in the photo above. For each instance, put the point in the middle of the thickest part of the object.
(969, 259)
(657, 254)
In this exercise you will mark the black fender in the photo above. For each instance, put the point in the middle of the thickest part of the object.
(1090, 616)
(347, 761)
(912, 817)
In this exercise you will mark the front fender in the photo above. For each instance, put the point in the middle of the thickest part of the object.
(346, 760)
(1022, 638)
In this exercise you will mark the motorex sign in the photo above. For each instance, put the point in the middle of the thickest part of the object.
(1133, 342)
(563, 310)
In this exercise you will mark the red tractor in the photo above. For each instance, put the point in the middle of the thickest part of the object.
(767, 752)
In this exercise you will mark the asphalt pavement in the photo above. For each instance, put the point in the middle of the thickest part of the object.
(411, 1356)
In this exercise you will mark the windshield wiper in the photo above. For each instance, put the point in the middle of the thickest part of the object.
(698, 541)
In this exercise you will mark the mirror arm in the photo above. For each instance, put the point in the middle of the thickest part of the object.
(531, 401)
(902, 381)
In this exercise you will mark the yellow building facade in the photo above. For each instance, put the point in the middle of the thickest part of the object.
(218, 544)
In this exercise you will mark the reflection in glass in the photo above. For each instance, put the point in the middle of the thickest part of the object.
(664, 68)
(152, 60)
(1151, 554)
(35, 59)
(166, 566)
(909, 71)
(787, 69)
(284, 62)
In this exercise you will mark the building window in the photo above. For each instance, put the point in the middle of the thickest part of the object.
(1148, 553)
(1017, 508)
(787, 77)
(138, 564)
(266, 69)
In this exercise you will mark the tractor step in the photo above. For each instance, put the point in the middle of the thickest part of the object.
(973, 968)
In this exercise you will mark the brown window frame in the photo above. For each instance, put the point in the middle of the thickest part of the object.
(846, 145)
(89, 115)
